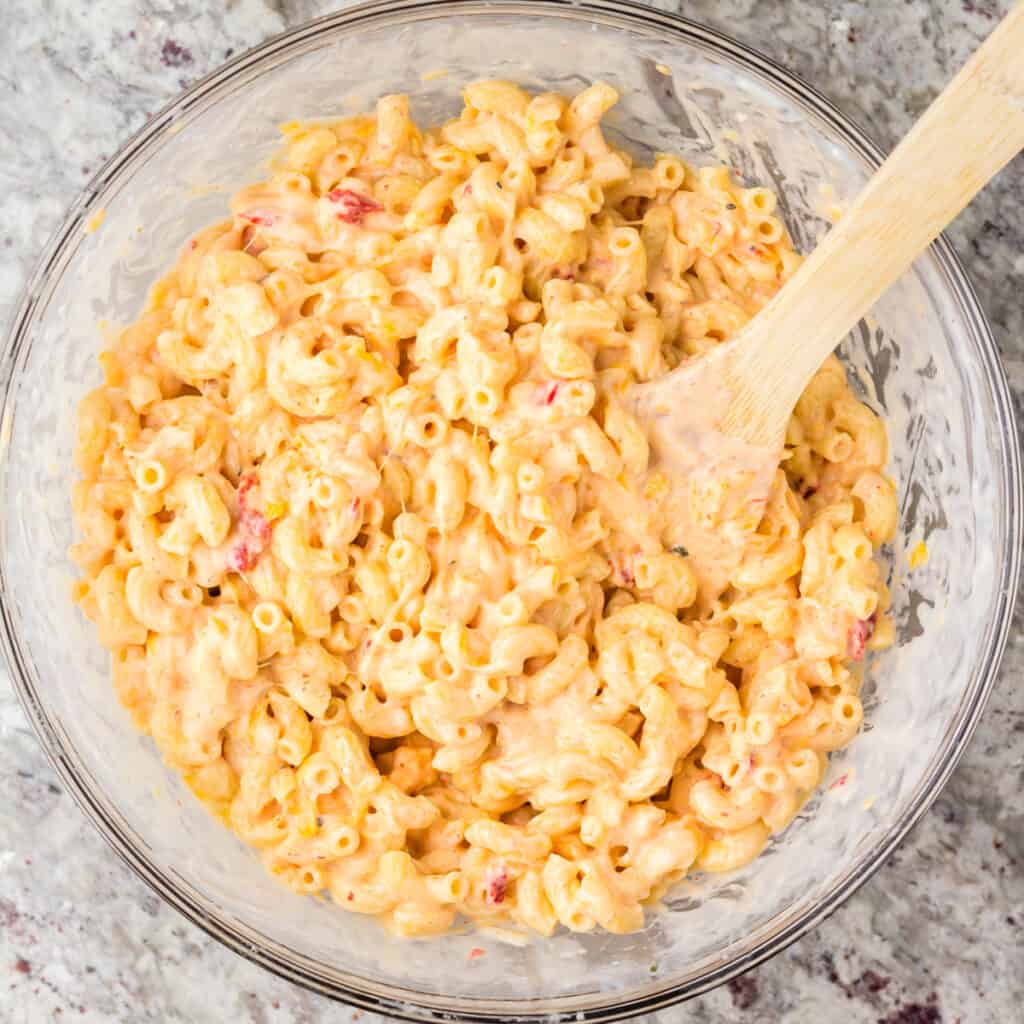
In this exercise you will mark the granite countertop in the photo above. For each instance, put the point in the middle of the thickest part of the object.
(935, 936)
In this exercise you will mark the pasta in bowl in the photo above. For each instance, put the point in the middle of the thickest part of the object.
(379, 552)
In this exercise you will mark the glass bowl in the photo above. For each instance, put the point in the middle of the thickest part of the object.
(925, 359)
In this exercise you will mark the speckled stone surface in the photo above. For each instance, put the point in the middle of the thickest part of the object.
(936, 936)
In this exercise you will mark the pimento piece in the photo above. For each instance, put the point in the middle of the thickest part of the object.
(551, 393)
(354, 206)
(860, 633)
(258, 527)
(840, 782)
(254, 528)
(497, 886)
(259, 217)
(622, 573)
(475, 953)
(564, 274)
(241, 558)
(245, 485)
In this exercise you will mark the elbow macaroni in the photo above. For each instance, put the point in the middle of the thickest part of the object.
(379, 554)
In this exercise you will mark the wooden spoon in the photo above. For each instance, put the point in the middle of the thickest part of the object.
(717, 423)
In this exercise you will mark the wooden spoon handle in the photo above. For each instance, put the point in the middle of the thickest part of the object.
(971, 131)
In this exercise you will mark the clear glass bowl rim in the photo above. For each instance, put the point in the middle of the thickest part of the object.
(403, 1003)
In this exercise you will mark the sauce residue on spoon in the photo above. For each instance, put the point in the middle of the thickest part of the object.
(714, 486)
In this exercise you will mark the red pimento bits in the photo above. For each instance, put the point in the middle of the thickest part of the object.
(260, 217)
(860, 633)
(497, 886)
(253, 527)
(475, 953)
(241, 558)
(622, 574)
(251, 520)
(193, 244)
(257, 526)
(840, 782)
(354, 207)
(245, 484)
(551, 394)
